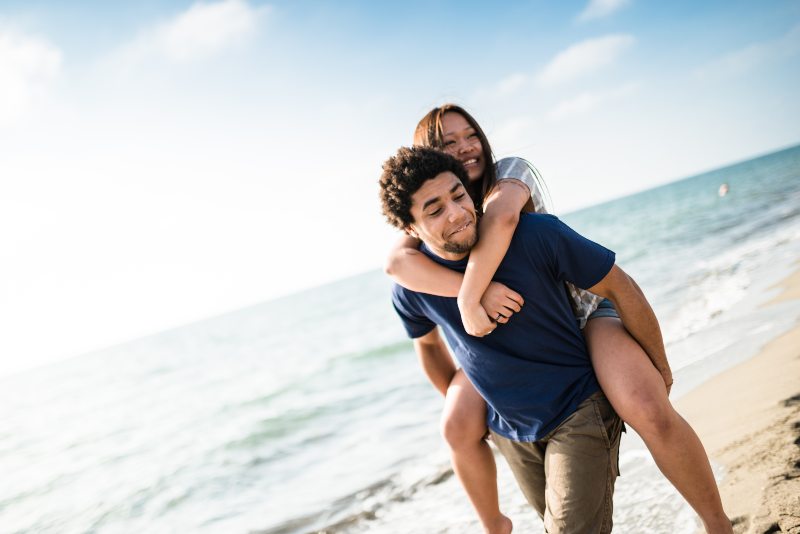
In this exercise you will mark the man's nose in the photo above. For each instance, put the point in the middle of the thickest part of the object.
(454, 212)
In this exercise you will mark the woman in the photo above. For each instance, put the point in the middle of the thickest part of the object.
(637, 387)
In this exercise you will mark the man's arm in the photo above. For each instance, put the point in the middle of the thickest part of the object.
(637, 316)
(434, 356)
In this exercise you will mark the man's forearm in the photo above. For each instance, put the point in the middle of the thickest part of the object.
(435, 359)
(637, 316)
(640, 321)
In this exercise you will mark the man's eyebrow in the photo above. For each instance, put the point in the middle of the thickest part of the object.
(429, 202)
(435, 200)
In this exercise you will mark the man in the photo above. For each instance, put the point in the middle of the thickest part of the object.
(546, 412)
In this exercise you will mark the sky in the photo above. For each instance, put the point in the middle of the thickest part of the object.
(163, 162)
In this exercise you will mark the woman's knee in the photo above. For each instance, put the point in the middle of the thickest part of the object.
(463, 420)
(630, 381)
(651, 415)
(462, 427)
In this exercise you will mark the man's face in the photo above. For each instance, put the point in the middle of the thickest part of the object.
(444, 217)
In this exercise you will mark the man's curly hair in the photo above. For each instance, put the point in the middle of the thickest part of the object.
(403, 175)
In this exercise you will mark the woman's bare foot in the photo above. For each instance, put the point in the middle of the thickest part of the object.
(502, 525)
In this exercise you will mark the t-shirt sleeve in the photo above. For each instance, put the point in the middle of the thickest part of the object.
(575, 258)
(521, 170)
(416, 323)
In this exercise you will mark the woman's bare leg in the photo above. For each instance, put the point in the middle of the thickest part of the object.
(636, 390)
(463, 427)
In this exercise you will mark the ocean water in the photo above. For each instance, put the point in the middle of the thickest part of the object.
(310, 414)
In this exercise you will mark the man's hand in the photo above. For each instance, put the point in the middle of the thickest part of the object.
(666, 374)
(497, 304)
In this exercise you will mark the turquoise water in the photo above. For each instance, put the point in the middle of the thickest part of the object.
(310, 412)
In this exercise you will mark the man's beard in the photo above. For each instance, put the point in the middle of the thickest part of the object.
(461, 248)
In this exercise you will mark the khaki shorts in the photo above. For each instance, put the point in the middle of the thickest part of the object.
(568, 476)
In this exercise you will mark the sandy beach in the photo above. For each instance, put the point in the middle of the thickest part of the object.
(749, 420)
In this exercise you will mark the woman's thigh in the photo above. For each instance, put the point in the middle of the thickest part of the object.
(464, 414)
(630, 381)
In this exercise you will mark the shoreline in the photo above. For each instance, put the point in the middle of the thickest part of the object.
(748, 418)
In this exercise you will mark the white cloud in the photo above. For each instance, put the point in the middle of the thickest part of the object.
(601, 8)
(506, 87)
(511, 84)
(201, 31)
(575, 106)
(752, 56)
(588, 101)
(28, 65)
(584, 58)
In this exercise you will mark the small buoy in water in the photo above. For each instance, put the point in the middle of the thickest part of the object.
(723, 190)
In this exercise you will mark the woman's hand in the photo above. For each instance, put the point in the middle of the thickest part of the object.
(497, 304)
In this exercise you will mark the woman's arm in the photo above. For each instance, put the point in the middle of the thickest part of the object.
(500, 218)
(415, 271)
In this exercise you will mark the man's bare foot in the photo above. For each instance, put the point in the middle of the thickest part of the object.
(502, 525)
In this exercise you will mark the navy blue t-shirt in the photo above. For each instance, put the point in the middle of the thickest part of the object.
(534, 370)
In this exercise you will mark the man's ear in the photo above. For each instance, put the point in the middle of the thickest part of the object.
(411, 231)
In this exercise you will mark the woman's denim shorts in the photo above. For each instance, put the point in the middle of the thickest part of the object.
(604, 309)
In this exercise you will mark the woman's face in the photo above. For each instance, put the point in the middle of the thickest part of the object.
(462, 142)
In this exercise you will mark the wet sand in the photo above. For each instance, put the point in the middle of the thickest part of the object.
(748, 418)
